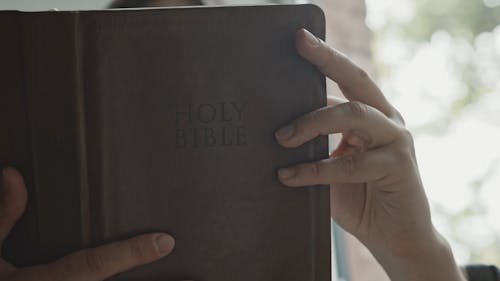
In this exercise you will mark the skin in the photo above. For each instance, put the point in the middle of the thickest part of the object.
(86, 265)
(376, 191)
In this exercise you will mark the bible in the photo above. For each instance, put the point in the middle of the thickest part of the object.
(136, 120)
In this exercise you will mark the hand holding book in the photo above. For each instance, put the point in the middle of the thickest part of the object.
(86, 265)
(376, 191)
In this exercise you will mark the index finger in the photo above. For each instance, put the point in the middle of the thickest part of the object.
(99, 263)
(354, 82)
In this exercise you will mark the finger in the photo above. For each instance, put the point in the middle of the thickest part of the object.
(354, 168)
(350, 143)
(352, 80)
(13, 198)
(105, 261)
(363, 121)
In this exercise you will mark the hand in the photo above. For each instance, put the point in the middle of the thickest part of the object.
(376, 191)
(85, 265)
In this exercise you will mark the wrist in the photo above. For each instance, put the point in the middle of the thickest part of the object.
(429, 259)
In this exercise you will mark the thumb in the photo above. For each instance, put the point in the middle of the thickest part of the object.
(13, 198)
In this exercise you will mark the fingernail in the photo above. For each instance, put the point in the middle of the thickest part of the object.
(286, 173)
(311, 39)
(285, 132)
(164, 244)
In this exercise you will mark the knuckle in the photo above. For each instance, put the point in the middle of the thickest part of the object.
(349, 164)
(93, 261)
(402, 151)
(406, 136)
(307, 124)
(329, 59)
(362, 74)
(356, 109)
(315, 123)
(391, 160)
(315, 169)
(398, 117)
(359, 77)
(404, 156)
(136, 250)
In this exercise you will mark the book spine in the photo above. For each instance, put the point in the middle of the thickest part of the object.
(320, 195)
(54, 104)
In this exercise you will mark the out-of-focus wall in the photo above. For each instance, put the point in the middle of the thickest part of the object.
(346, 31)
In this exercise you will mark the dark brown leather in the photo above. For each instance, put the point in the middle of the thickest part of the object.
(129, 121)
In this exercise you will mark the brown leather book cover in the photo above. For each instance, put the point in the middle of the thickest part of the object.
(128, 121)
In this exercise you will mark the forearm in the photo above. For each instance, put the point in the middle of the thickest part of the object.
(433, 261)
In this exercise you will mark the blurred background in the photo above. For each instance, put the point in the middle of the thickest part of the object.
(439, 64)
